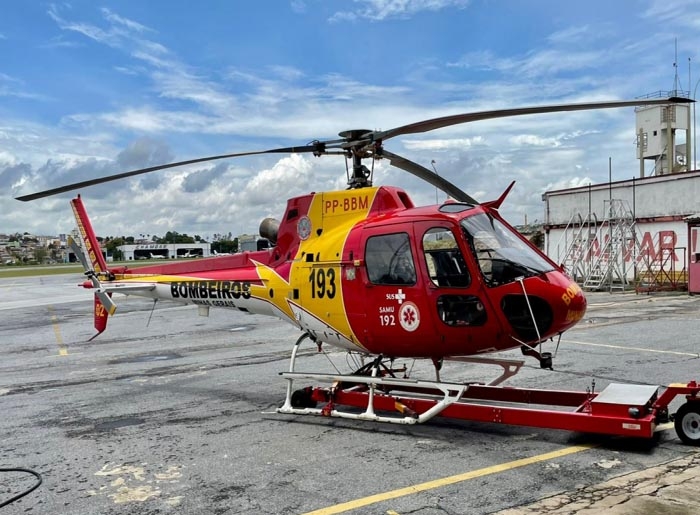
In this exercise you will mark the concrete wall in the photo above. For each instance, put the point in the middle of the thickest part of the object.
(651, 197)
(671, 238)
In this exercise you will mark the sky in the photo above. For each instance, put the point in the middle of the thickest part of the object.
(89, 89)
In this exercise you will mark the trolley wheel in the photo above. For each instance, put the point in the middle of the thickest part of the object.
(687, 423)
(302, 399)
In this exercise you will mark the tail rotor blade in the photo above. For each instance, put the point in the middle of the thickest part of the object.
(106, 301)
(78, 251)
(104, 298)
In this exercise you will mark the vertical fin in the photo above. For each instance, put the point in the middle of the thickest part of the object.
(100, 316)
(495, 204)
(103, 304)
(92, 246)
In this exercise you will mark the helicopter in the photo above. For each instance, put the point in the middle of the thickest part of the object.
(366, 271)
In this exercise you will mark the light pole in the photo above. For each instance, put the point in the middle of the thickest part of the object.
(695, 137)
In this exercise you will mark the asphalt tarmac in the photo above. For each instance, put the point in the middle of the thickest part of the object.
(170, 412)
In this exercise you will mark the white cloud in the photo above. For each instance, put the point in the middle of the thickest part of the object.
(674, 12)
(443, 144)
(378, 10)
(537, 63)
(533, 140)
(192, 102)
(118, 20)
(573, 34)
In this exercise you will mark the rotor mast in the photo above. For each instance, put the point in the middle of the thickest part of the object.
(358, 149)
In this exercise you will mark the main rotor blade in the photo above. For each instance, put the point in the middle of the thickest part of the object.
(446, 121)
(429, 176)
(317, 147)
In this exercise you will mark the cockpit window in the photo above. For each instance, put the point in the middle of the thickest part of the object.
(389, 259)
(446, 266)
(502, 256)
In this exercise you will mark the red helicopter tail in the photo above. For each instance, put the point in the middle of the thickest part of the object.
(103, 304)
(92, 246)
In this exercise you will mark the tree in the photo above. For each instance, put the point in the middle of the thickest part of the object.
(111, 246)
(174, 237)
(40, 254)
(223, 246)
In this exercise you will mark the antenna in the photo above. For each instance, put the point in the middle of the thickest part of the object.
(676, 80)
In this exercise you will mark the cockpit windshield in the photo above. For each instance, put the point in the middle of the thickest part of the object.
(502, 256)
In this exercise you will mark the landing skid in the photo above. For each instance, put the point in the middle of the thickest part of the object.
(381, 396)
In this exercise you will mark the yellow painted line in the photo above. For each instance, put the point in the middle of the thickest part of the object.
(635, 349)
(604, 304)
(391, 512)
(62, 348)
(451, 480)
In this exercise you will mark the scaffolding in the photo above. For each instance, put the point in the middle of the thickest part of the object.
(657, 270)
(607, 255)
(576, 243)
(598, 253)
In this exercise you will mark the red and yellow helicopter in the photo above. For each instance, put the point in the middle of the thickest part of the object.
(366, 270)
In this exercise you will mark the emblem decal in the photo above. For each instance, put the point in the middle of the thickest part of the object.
(399, 296)
(304, 227)
(409, 316)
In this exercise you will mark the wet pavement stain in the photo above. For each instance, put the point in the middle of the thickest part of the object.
(146, 358)
(109, 425)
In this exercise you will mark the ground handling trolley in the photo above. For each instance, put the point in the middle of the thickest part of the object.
(627, 410)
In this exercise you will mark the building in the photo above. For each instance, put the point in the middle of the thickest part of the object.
(633, 233)
(165, 251)
(252, 243)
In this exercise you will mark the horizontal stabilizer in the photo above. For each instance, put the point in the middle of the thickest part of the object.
(128, 288)
(495, 204)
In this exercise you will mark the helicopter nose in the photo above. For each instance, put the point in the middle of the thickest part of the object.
(551, 306)
(572, 306)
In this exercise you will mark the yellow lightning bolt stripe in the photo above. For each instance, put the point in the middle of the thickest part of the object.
(275, 289)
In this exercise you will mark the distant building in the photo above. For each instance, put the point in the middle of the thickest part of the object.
(164, 251)
(251, 243)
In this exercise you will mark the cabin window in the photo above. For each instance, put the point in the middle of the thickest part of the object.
(389, 259)
(461, 310)
(503, 257)
(446, 266)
